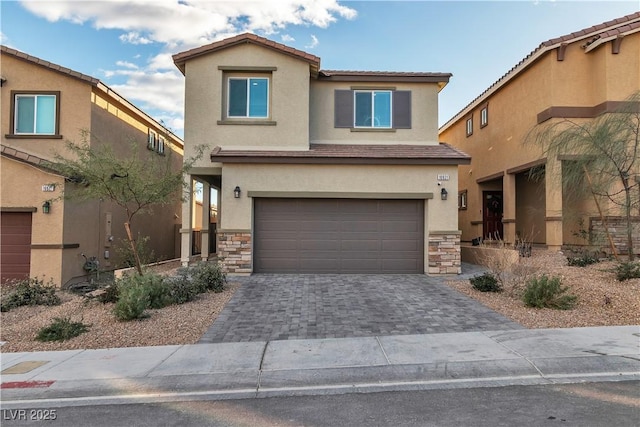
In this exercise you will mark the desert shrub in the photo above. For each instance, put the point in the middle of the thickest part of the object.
(125, 254)
(627, 270)
(486, 283)
(500, 260)
(545, 292)
(61, 329)
(582, 260)
(133, 300)
(31, 291)
(208, 276)
(182, 289)
(110, 295)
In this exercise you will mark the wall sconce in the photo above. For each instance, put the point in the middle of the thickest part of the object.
(444, 194)
(46, 207)
(236, 192)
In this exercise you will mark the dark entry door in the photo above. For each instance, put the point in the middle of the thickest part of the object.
(15, 253)
(492, 215)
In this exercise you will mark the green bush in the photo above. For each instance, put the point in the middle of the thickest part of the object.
(545, 292)
(627, 270)
(132, 302)
(486, 283)
(61, 329)
(582, 260)
(30, 292)
(126, 256)
(208, 276)
(182, 289)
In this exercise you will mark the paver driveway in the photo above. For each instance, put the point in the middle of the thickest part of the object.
(299, 306)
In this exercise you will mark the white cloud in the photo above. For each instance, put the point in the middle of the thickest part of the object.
(314, 42)
(126, 64)
(180, 25)
(134, 38)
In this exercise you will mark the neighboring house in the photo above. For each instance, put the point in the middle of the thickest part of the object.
(319, 171)
(578, 76)
(45, 105)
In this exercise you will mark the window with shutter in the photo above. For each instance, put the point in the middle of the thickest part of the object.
(372, 109)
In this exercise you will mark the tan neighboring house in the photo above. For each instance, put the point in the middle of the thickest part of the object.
(45, 105)
(319, 171)
(578, 76)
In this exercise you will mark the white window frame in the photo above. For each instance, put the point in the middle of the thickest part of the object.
(152, 140)
(469, 126)
(484, 116)
(35, 113)
(161, 144)
(248, 80)
(372, 92)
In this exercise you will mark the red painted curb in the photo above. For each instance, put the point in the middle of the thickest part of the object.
(27, 384)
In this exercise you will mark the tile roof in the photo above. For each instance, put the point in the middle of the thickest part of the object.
(25, 157)
(605, 31)
(55, 67)
(180, 58)
(349, 154)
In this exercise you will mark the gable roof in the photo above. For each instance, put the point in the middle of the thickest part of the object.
(592, 37)
(94, 83)
(441, 154)
(181, 58)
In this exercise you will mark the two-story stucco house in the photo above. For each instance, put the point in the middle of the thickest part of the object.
(319, 171)
(579, 76)
(44, 106)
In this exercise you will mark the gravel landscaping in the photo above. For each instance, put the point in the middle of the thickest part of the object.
(602, 300)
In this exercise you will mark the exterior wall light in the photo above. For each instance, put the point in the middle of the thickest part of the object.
(444, 194)
(236, 192)
(46, 207)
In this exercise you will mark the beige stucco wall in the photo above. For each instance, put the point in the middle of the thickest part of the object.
(424, 116)
(109, 120)
(289, 102)
(347, 180)
(581, 79)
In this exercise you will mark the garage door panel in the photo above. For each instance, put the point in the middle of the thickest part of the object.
(338, 236)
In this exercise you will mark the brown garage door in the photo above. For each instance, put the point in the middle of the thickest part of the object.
(15, 249)
(338, 236)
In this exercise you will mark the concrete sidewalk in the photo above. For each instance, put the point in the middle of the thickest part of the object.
(323, 366)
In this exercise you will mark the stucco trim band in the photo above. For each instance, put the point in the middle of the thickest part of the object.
(337, 195)
(18, 209)
(525, 167)
(490, 177)
(575, 112)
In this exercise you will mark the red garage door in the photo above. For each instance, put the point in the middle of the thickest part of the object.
(15, 250)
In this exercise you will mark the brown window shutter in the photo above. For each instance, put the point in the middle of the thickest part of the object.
(402, 109)
(343, 108)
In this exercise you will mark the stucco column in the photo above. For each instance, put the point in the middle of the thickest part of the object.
(185, 231)
(509, 207)
(206, 212)
(553, 209)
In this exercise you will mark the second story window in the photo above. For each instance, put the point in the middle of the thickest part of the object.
(484, 116)
(248, 97)
(372, 109)
(470, 126)
(35, 114)
(152, 140)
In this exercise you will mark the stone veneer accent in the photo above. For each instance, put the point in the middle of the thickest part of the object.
(617, 227)
(444, 252)
(234, 251)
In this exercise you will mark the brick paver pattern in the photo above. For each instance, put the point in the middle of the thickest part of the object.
(310, 306)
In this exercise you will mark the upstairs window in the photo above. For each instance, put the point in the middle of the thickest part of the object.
(470, 126)
(248, 97)
(35, 114)
(161, 144)
(462, 200)
(372, 109)
(152, 141)
(484, 116)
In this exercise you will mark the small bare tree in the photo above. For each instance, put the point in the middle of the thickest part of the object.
(604, 159)
(135, 182)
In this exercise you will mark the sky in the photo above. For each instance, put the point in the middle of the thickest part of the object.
(128, 44)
